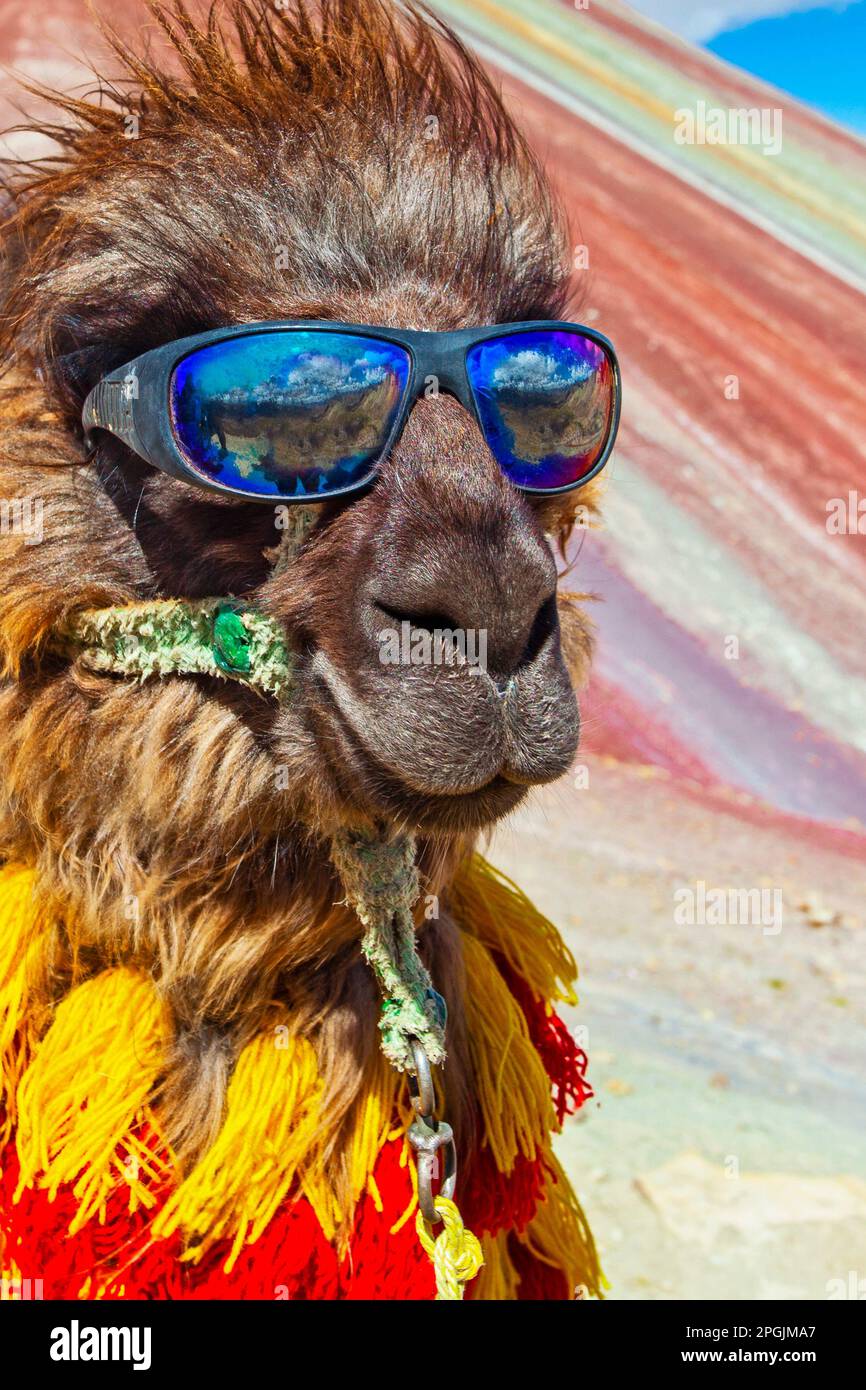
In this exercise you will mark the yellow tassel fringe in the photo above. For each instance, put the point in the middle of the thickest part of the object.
(88, 1084)
(558, 1235)
(512, 1088)
(497, 1282)
(21, 949)
(486, 904)
(269, 1129)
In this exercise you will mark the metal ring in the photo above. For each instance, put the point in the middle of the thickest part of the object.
(427, 1140)
(421, 1089)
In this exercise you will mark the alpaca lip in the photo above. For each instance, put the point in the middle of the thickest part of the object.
(359, 745)
(486, 765)
(356, 717)
(396, 797)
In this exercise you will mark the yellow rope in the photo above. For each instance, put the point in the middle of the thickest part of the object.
(455, 1252)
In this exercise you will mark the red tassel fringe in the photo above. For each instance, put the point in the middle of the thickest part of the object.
(564, 1062)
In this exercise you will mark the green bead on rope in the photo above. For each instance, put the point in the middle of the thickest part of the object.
(231, 642)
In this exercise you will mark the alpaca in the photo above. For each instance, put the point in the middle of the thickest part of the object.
(166, 840)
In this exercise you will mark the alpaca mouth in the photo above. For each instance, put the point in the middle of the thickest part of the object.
(355, 770)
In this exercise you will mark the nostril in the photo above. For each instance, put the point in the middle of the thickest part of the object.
(425, 621)
(504, 656)
(543, 625)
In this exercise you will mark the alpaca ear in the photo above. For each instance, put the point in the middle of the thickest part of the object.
(561, 517)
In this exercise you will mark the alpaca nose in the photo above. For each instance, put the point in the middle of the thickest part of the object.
(500, 604)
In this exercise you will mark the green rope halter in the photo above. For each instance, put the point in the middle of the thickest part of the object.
(381, 882)
(205, 637)
(232, 641)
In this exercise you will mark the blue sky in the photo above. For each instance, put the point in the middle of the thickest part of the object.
(815, 52)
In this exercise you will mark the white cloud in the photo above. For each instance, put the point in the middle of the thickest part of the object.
(700, 20)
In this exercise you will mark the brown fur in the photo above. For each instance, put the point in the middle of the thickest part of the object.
(154, 810)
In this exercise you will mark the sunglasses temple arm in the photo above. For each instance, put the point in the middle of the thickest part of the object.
(111, 406)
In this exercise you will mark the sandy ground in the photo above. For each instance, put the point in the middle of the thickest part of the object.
(725, 1152)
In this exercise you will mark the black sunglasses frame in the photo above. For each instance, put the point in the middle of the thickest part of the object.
(141, 417)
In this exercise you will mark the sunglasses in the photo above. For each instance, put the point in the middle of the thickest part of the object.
(301, 410)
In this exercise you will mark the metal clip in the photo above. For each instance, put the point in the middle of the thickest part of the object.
(427, 1135)
(422, 1092)
(427, 1139)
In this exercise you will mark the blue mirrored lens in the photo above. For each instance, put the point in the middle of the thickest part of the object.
(292, 413)
(545, 400)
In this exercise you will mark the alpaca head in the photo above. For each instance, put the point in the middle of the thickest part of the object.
(354, 166)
